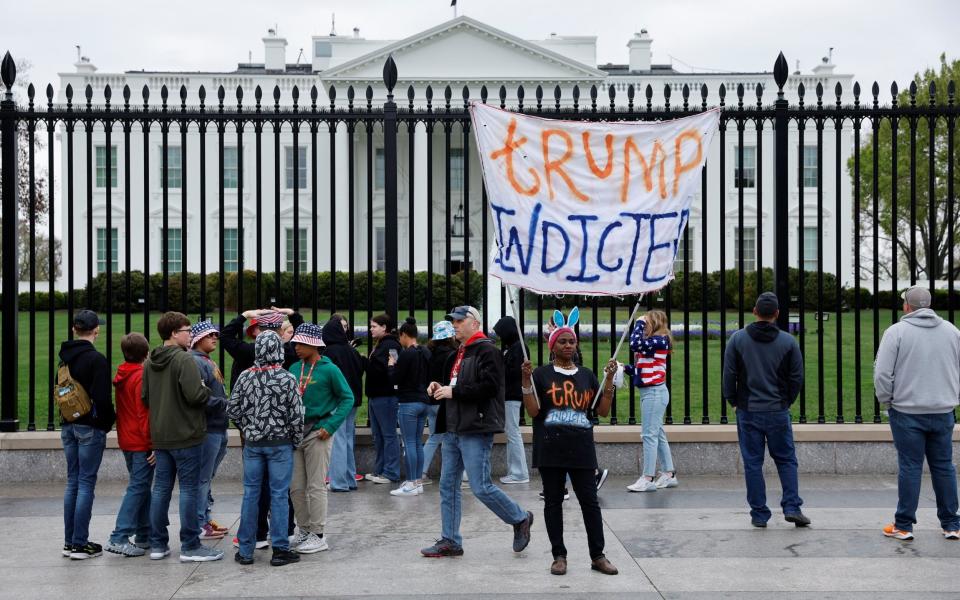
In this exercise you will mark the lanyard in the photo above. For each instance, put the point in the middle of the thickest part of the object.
(460, 352)
(302, 384)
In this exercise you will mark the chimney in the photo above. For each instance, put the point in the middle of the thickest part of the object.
(274, 52)
(640, 54)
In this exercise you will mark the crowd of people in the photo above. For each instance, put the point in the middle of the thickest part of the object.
(295, 387)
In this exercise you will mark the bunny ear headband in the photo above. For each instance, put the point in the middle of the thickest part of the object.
(563, 325)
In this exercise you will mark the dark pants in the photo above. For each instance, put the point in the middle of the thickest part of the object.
(772, 431)
(916, 437)
(584, 482)
(263, 510)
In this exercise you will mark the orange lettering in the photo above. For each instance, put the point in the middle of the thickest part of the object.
(554, 392)
(678, 166)
(605, 172)
(509, 147)
(569, 394)
(586, 399)
(555, 165)
(647, 168)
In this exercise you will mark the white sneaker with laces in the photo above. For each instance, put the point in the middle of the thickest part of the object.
(377, 478)
(666, 481)
(313, 543)
(509, 479)
(951, 535)
(642, 485)
(408, 488)
(299, 538)
(425, 480)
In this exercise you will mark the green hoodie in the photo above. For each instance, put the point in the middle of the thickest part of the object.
(327, 399)
(176, 398)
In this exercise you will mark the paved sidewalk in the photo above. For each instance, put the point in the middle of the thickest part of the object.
(691, 542)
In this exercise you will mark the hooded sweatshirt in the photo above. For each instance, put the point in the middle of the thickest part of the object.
(327, 398)
(762, 368)
(213, 379)
(917, 370)
(265, 402)
(509, 335)
(90, 369)
(378, 378)
(242, 352)
(345, 356)
(176, 398)
(133, 419)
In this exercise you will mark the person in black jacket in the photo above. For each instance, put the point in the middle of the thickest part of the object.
(410, 375)
(382, 403)
(513, 357)
(343, 466)
(443, 349)
(85, 437)
(472, 411)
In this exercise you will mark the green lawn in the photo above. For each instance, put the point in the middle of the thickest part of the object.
(838, 400)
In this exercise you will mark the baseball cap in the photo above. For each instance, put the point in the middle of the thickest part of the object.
(86, 320)
(462, 312)
(767, 304)
(917, 297)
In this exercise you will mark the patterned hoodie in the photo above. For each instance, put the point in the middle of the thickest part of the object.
(265, 402)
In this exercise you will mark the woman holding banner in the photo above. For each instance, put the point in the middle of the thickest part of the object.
(559, 398)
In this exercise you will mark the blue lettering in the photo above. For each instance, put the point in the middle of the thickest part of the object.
(654, 247)
(499, 211)
(684, 217)
(603, 243)
(566, 247)
(582, 276)
(513, 239)
(638, 218)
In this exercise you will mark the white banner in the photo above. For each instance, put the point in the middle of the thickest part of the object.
(589, 207)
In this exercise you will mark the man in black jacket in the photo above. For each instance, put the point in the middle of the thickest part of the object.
(513, 357)
(85, 437)
(762, 375)
(471, 412)
(343, 466)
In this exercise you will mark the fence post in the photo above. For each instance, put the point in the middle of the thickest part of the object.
(781, 216)
(8, 164)
(390, 188)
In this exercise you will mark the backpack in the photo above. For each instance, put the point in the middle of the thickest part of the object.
(73, 401)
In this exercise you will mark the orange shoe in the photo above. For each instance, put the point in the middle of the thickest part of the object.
(217, 526)
(891, 531)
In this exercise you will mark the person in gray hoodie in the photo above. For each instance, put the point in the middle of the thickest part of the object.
(917, 378)
(762, 375)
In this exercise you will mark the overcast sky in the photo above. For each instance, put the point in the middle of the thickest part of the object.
(874, 40)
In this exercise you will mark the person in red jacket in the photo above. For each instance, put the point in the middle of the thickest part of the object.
(133, 437)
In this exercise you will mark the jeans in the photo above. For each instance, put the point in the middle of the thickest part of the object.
(584, 483)
(471, 452)
(653, 406)
(275, 464)
(83, 448)
(916, 437)
(433, 441)
(343, 462)
(516, 455)
(263, 520)
(216, 465)
(413, 416)
(133, 517)
(182, 464)
(210, 450)
(383, 423)
(773, 430)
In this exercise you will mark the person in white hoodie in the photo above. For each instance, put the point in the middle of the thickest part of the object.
(917, 378)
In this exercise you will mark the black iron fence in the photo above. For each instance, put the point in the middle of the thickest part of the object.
(890, 221)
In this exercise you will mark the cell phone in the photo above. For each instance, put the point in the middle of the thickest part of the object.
(393, 354)
(355, 342)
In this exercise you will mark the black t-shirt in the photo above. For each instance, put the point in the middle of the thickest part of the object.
(563, 430)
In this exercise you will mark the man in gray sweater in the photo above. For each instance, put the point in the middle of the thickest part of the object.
(917, 378)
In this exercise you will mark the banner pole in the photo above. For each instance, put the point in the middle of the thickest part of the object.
(523, 343)
(626, 329)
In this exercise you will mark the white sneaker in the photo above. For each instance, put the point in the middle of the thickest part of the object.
(313, 543)
(299, 538)
(425, 480)
(201, 554)
(666, 481)
(509, 479)
(642, 485)
(408, 488)
(159, 553)
(377, 478)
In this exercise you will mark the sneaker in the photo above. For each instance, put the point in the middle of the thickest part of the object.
(521, 533)
(377, 478)
(798, 518)
(642, 485)
(217, 526)
(260, 545)
(408, 488)
(313, 543)
(299, 538)
(283, 557)
(666, 481)
(357, 477)
(67, 548)
(88, 550)
(207, 532)
(243, 560)
(142, 545)
(566, 495)
(509, 480)
(124, 549)
(200, 554)
(951, 535)
(891, 531)
(758, 523)
(426, 480)
(159, 553)
(602, 478)
(442, 548)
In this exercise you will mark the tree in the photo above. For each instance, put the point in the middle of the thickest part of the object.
(932, 247)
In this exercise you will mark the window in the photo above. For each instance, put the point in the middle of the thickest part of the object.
(230, 168)
(174, 250)
(301, 167)
(381, 249)
(301, 247)
(678, 261)
(749, 248)
(379, 167)
(231, 251)
(101, 164)
(174, 170)
(810, 175)
(102, 250)
(747, 176)
(456, 170)
(810, 238)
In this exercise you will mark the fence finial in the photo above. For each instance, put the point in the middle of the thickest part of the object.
(780, 70)
(8, 72)
(390, 74)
